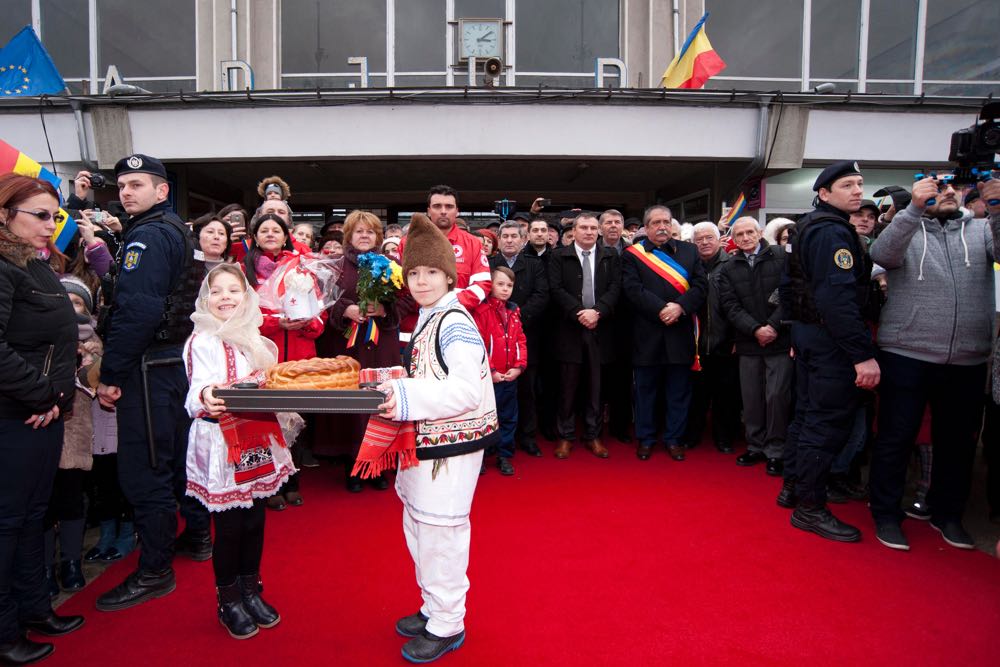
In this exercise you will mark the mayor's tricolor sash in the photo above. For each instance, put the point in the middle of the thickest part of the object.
(662, 265)
(676, 276)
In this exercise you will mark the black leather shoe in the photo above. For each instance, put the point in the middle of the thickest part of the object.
(531, 449)
(821, 521)
(644, 452)
(676, 452)
(381, 482)
(506, 467)
(54, 625)
(233, 614)
(354, 485)
(23, 651)
(786, 497)
(137, 588)
(71, 576)
(890, 534)
(412, 625)
(426, 647)
(194, 544)
(724, 447)
(263, 614)
(775, 467)
(749, 458)
(621, 435)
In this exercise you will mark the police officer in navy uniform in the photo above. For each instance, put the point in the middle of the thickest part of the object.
(825, 287)
(143, 378)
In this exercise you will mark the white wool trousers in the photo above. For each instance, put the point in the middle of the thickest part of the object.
(441, 558)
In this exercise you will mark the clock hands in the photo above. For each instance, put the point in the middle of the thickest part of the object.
(488, 36)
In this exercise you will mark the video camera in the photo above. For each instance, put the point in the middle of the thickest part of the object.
(974, 149)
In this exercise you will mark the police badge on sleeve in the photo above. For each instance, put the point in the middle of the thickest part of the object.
(133, 253)
(843, 259)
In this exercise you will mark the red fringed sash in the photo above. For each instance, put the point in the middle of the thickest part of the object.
(385, 442)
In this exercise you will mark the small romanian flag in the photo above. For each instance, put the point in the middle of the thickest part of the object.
(13, 160)
(736, 210)
(695, 64)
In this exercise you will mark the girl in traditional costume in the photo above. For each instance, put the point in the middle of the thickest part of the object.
(444, 415)
(234, 462)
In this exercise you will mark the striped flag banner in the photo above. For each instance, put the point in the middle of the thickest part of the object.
(14, 161)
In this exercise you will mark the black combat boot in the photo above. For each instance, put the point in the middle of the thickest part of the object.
(233, 614)
(818, 519)
(786, 497)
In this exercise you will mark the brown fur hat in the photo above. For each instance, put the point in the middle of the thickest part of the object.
(286, 192)
(426, 245)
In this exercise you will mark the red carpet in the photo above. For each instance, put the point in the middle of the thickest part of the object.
(581, 562)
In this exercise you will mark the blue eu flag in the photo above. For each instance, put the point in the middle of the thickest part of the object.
(26, 68)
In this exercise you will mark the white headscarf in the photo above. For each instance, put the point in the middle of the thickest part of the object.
(242, 329)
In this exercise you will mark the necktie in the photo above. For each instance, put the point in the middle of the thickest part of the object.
(588, 281)
(751, 259)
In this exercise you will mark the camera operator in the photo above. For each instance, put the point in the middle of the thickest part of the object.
(934, 335)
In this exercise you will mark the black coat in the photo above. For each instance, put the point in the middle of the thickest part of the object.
(716, 335)
(653, 342)
(750, 299)
(530, 294)
(566, 294)
(38, 337)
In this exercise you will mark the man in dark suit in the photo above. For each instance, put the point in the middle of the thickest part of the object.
(617, 380)
(584, 283)
(540, 245)
(665, 281)
(531, 295)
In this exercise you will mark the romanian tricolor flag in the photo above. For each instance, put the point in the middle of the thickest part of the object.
(735, 211)
(696, 63)
(13, 160)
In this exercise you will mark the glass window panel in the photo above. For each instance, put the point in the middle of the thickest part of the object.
(65, 36)
(962, 89)
(763, 39)
(319, 36)
(555, 81)
(892, 35)
(962, 40)
(891, 88)
(313, 82)
(436, 81)
(836, 31)
(142, 39)
(16, 15)
(421, 32)
(763, 85)
(565, 35)
(480, 9)
(163, 85)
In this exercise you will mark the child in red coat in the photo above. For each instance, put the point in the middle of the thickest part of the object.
(499, 324)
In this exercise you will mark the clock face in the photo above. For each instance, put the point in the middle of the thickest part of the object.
(480, 39)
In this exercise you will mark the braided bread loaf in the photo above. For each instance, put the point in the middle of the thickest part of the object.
(337, 373)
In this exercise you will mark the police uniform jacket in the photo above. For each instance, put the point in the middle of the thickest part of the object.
(153, 259)
(836, 278)
(654, 343)
(750, 299)
(38, 335)
(566, 293)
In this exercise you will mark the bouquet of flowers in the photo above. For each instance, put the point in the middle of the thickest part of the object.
(379, 281)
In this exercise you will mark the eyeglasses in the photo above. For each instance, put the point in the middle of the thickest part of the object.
(44, 216)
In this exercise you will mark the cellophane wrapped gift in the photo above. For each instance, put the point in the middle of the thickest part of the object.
(373, 377)
(302, 287)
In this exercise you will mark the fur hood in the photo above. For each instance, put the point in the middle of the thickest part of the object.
(14, 250)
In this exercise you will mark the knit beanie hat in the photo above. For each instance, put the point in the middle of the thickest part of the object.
(426, 245)
(74, 285)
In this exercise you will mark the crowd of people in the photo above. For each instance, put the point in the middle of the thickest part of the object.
(859, 334)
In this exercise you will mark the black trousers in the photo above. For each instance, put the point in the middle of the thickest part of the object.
(585, 377)
(155, 493)
(991, 450)
(527, 414)
(617, 393)
(715, 390)
(30, 459)
(66, 503)
(239, 542)
(955, 396)
(107, 503)
(825, 409)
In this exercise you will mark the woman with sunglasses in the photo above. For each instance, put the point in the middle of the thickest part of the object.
(38, 340)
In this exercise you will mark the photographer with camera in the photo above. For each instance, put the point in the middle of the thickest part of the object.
(934, 335)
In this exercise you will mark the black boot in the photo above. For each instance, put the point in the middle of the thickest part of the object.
(818, 519)
(786, 497)
(52, 581)
(427, 647)
(54, 625)
(233, 615)
(264, 615)
(137, 588)
(195, 544)
(23, 651)
(71, 576)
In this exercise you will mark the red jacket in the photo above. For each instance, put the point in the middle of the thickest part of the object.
(472, 267)
(499, 324)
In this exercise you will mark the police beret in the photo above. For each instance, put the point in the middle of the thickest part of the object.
(868, 203)
(139, 163)
(835, 171)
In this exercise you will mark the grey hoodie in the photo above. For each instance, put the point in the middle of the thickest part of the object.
(940, 306)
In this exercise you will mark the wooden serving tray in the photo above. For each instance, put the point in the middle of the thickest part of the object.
(322, 401)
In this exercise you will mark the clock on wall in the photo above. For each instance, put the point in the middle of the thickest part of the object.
(480, 38)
